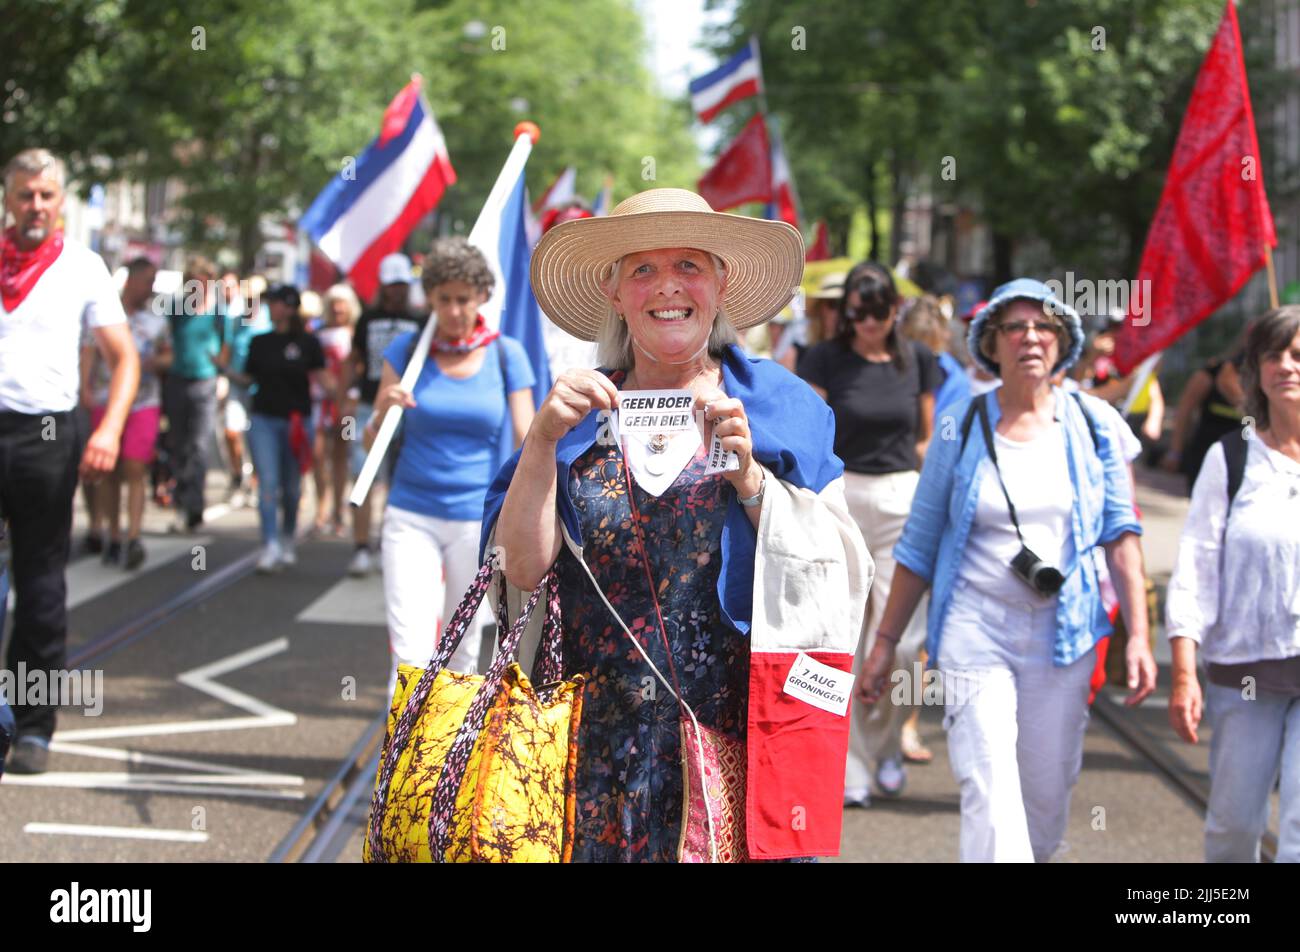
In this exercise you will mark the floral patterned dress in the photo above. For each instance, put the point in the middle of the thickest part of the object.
(629, 780)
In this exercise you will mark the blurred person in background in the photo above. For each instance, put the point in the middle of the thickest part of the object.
(51, 289)
(243, 323)
(1235, 594)
(979, 380)
(1209, 409)
(282, 364)
(330, 457)
(881, 386)
(375, 330)
(1098, 373)
(823, 308)
(190, 387)
(152, 335)
(925, 322)
(474, 385)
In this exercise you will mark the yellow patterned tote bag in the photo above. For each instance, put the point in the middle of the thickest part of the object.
(480, 768)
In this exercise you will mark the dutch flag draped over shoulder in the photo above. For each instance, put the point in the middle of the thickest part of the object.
(369, 208)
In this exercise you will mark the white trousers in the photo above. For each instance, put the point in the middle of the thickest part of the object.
(880, 506)
(1015, 725)
(429, 564)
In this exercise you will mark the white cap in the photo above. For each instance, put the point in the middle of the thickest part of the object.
(395, 269)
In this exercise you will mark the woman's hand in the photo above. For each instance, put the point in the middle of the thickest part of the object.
(576, 393)
(875, 671)
(392, 396)
(1141, 667)
(1185, 706)
(731, 426)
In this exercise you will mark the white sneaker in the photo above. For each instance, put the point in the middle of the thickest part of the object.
(362, 563)
(857, 797)
(288, 552)
(270, 559)
(891, 778)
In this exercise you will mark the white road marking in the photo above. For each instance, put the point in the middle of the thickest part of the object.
(140, 757)
(211, 778)
(350, 601)
(90, 778)
(117, 832)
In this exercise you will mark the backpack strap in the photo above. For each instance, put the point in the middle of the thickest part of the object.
(1088, 418)
(1235, 450)
(969, 419)
(979, 401)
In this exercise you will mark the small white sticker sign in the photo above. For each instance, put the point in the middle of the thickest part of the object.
(656, 411)
(819, 684)
(720, 460)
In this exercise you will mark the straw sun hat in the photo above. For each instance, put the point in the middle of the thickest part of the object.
(570, 264)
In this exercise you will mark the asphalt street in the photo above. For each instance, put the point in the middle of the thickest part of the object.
(222, 722)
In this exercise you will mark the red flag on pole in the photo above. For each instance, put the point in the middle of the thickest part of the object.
(820, 249)
(1213, 222)
(743, 173)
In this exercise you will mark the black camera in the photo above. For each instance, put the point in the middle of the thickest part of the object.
(1037, 574)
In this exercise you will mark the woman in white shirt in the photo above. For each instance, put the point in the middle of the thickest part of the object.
(1235, 592)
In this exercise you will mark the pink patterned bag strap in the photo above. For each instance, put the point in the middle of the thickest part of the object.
(456, 628)
(548, 665)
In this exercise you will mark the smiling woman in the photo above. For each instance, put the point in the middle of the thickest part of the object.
(663, 553)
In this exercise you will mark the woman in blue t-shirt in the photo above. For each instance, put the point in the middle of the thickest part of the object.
(471, 407)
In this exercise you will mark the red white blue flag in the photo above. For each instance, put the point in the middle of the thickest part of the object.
(369, 208)
(738, 78)
(782, 206)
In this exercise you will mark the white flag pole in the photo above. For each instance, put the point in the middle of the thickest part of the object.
(526, 133)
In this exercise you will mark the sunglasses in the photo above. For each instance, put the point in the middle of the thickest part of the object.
(1020, 328)
(853, 316)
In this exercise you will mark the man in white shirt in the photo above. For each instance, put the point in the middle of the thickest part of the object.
(51, 288)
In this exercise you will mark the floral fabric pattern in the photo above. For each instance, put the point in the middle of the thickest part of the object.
(629, 773)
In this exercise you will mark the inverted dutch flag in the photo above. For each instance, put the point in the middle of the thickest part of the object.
(563, 189)
(736, 79)
(604, 199)
(367, 210)
(782, 206)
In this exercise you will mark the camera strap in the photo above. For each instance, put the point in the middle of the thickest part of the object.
(982, 410)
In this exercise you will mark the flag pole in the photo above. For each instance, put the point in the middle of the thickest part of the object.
(526, 133)
(1272, 277)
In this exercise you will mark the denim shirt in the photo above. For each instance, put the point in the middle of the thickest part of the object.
(943, 510)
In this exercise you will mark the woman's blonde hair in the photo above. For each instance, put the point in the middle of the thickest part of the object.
(343, 292)
(614, 342)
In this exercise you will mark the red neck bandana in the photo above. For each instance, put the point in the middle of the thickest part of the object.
(479, 336)
(19, 269)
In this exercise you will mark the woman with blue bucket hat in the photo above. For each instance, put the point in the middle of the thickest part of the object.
(1018, 487)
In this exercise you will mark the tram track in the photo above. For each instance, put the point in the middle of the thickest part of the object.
(327, 826)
